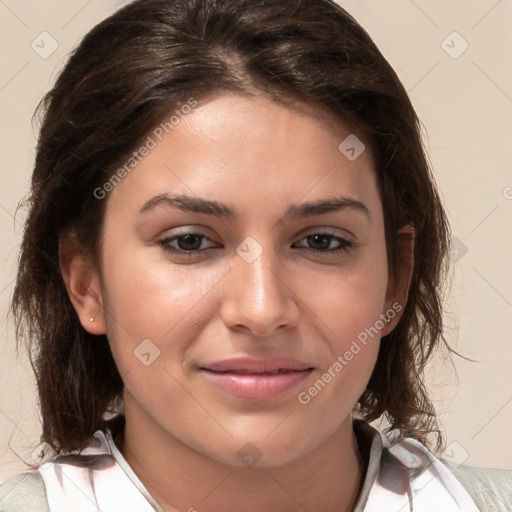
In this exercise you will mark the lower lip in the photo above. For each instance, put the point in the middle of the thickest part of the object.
(256, 386)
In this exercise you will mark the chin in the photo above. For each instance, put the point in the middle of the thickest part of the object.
(264, 450)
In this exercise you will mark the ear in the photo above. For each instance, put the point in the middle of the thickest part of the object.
(398, 285)
(82, 282)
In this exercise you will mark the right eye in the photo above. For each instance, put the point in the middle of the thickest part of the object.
(187, 244)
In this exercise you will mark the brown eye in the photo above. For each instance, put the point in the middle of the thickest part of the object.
(188, 244)
(322, 243)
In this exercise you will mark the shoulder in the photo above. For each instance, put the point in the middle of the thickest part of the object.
(25, 491)
(490, 488)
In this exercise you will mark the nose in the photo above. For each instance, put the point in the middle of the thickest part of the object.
(259, 296)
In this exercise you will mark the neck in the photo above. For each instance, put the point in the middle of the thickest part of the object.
(181, 479)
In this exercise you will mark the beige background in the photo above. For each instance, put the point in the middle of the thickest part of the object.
(464, 99)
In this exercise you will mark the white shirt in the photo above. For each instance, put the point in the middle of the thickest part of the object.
(399, 478)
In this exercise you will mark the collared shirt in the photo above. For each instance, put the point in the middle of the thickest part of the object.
(400, 477)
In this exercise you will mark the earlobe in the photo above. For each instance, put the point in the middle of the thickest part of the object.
(82, 283)
(398, 287)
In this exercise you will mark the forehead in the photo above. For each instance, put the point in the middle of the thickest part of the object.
(247, 150)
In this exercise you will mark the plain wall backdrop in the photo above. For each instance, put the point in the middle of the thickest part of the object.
(454, 59)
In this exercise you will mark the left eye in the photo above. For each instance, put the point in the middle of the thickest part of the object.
(323, 242)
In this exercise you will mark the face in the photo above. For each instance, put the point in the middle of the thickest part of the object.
(244, 279)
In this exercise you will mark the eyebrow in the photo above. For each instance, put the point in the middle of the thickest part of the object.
(199, 205)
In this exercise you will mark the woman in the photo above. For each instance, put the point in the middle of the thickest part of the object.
(234, 247)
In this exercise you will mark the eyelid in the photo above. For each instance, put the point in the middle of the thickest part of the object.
(180, 231)
(334, 232)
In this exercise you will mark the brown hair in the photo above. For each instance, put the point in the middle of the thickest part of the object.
(127, 74)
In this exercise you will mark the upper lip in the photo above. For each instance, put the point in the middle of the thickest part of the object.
(256, 365)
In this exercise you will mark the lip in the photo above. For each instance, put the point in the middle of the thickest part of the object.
(248, 364)
(256, 379)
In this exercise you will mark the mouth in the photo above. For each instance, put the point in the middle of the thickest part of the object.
(244, 371)
(256, 379)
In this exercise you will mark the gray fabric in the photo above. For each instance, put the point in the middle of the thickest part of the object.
(490, 488)
(23, 493)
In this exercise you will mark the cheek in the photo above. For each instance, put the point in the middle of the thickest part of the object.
(349, 306)
(351, 299)
(149, 298)
(350, 323)
(148, 325)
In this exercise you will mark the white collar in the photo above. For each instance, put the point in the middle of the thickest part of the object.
(399, 478)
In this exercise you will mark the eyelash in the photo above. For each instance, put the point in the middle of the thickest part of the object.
(345, 245)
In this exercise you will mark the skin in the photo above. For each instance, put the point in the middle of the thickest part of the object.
(182, 433)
